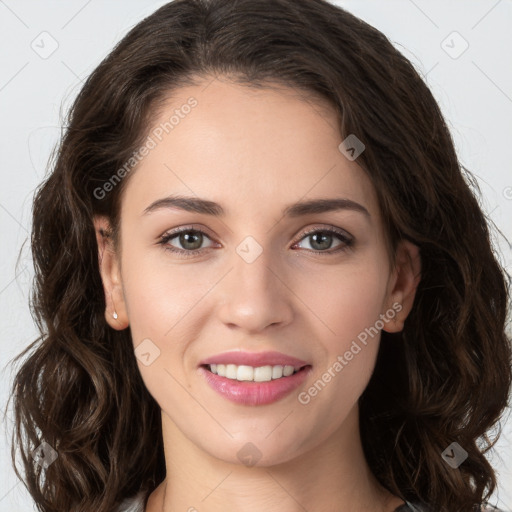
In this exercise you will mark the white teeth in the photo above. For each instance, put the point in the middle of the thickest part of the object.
(277, 372)
(288, 370)
(245, 373)
(231, 371)
(263, 374)
(250, 373)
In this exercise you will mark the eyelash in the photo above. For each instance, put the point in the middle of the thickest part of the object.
(347, 241)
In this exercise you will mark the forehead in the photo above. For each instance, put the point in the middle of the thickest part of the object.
(251, 150)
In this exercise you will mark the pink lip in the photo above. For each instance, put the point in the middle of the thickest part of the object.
(254, 393)
(254, 359)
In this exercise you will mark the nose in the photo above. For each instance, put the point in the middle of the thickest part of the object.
(255, 294)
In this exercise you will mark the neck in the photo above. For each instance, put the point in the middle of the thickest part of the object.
(332, 476)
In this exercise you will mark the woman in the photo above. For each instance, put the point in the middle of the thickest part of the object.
(262, 281)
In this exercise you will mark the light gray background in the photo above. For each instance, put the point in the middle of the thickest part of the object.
(473, 88)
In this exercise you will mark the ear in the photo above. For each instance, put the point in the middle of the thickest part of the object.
(110, 275)
(403, 284)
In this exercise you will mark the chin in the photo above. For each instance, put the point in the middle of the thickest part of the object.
(253, 451)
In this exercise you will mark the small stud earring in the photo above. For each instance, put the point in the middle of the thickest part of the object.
(114, 314)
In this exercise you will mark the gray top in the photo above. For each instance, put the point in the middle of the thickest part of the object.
(136, 504)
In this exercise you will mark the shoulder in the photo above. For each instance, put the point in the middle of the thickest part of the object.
(417, 507)
(133, 504)
(411, 507)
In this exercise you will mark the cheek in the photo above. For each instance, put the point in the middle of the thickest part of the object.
(347, 299)
(166, 311)
(158, 295)
(349, 304)
(158, 307)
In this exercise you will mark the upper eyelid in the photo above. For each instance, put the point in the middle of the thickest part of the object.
(328, 228)
(170, 234)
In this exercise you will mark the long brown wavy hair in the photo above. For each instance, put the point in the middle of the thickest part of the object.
(445, 378)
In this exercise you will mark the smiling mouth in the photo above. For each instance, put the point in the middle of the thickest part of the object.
(247, 373)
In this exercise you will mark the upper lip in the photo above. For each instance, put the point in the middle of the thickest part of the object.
(255, 359)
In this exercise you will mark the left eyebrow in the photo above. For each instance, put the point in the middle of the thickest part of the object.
(198, 205)
(323, 205)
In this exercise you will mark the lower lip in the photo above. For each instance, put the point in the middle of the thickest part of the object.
(254, 393)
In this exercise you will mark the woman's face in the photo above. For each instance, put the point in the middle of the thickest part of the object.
(257, 281)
